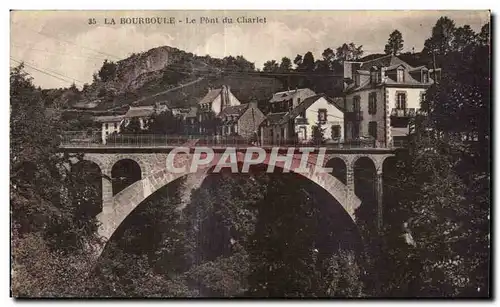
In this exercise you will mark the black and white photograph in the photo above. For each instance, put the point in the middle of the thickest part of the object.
(255, 154)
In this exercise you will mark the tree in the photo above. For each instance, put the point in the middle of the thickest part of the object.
(318, 134)
(442, 201)
(164, 123)
(463, 37)
(484, 35)
(285, 65)
(107, 71)
(395, 43)
(297, 61)
(271, 66)
(51, 226)
(348, 52)
(308, 63)
(132, 126)
(441, 40)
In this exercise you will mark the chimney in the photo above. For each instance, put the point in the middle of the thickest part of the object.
(253, 103)
(354, 67)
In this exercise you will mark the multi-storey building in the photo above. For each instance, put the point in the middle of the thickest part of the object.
(381, 96)
(294, 113)
(211, 105)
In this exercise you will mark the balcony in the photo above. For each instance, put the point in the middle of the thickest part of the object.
(353, 116)
(408, 112)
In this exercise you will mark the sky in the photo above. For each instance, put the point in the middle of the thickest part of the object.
(61, 47)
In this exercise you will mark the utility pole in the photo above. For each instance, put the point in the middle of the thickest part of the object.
(434, 65)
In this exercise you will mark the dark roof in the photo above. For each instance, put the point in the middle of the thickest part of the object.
(389, 62)
(286, 95)
(234, 110)
(192, 112)
(210, 96)
(275, 118)
(109, 118)
(145, 111)
(384, 61)
(86, 104)
(306, 103)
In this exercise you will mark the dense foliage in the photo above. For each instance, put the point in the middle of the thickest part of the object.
(52, 226)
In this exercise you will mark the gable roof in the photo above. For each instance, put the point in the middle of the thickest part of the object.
(275, 118)
(109, 118)
(210, 96)
(234, 110)
(384, 61)
(286, 95)
(192, 112)
(388, 62)
(145, 111)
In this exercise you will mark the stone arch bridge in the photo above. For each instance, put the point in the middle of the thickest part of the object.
(153, 174)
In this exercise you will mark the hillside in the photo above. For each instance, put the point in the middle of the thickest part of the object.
(178, 78)
(166, 74)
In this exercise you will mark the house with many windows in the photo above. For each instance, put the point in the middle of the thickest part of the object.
(112, 124)
(382, 95)
(242, 120)
(211, 105)
(296, 117)
(109, 125)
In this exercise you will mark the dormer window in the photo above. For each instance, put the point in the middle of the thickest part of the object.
(374, 75)
(425, 76)
(401, 75)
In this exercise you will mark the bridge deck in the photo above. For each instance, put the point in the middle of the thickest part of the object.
(162, 143)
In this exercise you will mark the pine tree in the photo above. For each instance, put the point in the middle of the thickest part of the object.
(395, 43)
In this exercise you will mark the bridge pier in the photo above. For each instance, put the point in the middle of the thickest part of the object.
(379, 188)
(107, 193)
(350, 195)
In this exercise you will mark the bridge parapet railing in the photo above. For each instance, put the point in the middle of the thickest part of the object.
(94, 139)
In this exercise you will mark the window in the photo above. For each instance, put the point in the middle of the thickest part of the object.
(425, 76)
(374, 76)
(290, 104)
(357, 80)
(372, 129)
(115, 125)
(298, 100)
(355, 131)
(356, 104)
(372, 103)
(422, 96)
(401, 75)
(322, 115)
(106, 126)
(303, 114)
(282, 132)
(401, 101)
(336, 131)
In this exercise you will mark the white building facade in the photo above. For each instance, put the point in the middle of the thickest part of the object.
(381, 97)
(297, 125)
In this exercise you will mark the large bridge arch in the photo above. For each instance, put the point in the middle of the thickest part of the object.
(127, 200)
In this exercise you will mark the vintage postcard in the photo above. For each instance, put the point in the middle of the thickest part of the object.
(250, 154)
